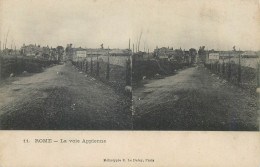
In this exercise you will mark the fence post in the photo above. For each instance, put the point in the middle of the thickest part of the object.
(128, 72)
(258, 73)
(108, 69)
(15, 69)
(23, 64)
(97, 67)
(229, 71)
(81, 65)
(86, 66)
(2, 63)
(239, 71)
(91, 66)
(223, 68)
(216, 68)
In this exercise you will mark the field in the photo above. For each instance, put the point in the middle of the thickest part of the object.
(18, 64)
(151, 68)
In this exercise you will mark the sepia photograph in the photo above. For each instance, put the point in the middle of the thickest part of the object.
(196, 67)
(61, 68)
(129, 83)
(92, 65)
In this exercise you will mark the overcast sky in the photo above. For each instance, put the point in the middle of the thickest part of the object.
(218, 24)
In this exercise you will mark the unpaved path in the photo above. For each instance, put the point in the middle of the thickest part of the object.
(194, 99)
(61, 97)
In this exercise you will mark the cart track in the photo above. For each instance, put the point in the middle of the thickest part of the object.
(61, 97)
(194, 99)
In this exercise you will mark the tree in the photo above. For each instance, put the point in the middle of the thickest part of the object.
(193, 53)
(202, 53)
(60, 52)
(179, 55)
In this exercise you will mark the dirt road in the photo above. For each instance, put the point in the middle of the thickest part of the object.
(61, 97)
(194, 99)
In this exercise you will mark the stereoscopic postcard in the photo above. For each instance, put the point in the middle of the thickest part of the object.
(129, 83)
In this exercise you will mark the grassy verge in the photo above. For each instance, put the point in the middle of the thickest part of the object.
(18, 64)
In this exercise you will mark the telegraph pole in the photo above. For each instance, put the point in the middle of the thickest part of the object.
(239, 68)
(129, 43)
(108, 68)
(97, 67)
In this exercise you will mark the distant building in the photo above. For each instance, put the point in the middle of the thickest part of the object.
(31, 50)
(250, 54)
(228, 54)
(120, 52)
(38, 51)
(46, 52)
(139, 56)
(81, 53)
(164, 53)
(213, 57)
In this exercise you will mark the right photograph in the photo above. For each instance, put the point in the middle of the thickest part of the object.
(195, 66)
(195, 89)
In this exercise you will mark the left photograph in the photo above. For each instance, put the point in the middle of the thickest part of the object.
(64, 87)
(64, 66)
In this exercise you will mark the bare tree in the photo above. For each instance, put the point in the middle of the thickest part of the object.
(6, 37)
(139, 40)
